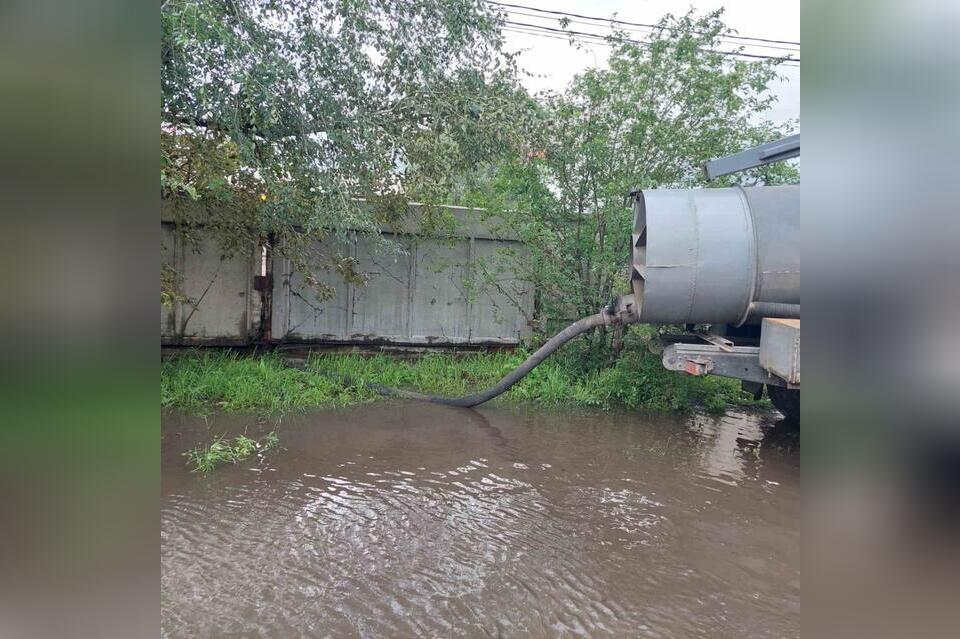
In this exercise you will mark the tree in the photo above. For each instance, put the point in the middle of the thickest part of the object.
(283, 120)
(649, 120)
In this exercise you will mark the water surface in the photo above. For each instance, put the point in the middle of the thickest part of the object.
(407, 519)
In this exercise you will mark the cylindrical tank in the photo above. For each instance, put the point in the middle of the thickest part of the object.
(720, 256)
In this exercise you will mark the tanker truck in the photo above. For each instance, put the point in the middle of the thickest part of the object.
(725, 265)
(722, 265)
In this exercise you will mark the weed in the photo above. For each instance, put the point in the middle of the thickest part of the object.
(225, 451)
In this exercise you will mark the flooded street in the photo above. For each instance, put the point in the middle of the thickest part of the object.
(407, 519)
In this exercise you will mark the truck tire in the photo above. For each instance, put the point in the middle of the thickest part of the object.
(787, 401)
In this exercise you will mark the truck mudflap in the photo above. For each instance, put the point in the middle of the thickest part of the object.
(780, 348)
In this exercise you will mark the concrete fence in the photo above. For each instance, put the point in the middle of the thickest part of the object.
(459, 289)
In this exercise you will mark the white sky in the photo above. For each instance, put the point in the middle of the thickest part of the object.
(555, 62)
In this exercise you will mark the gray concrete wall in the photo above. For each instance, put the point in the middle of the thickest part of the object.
(457, 289)
(223, 308)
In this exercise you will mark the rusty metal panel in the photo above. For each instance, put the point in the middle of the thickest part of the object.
(381, 309)
(780, 348)
(503, 303)
(298, 314)
(439, 309)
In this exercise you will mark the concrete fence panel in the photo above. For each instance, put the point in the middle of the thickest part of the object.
(459, 288)
(220, 305)
(503, 310)
(441, 306)
(297, 314)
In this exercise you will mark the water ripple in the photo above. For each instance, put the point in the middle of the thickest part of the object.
(537, 530)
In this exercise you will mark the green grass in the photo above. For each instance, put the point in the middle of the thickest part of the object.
(579, 375)
(227, 451)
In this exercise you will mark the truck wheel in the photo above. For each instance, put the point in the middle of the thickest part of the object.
(787, 401)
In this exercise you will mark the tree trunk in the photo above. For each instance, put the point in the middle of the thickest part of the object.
(616, 342)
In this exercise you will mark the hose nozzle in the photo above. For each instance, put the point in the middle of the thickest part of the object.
(620, 310)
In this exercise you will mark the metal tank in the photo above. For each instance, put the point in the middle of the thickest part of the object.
(718, 256)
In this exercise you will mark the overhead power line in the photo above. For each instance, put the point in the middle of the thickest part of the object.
(601, 36)
(540, 34)
(594, 41)
(591, 42)
(634, 24)
(646, 31)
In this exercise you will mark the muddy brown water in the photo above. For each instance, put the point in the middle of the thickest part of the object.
(413, 520)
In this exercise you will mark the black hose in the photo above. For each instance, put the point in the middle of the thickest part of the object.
(582, 326)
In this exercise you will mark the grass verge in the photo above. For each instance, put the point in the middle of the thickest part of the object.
(228, 451)
(579, 375)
